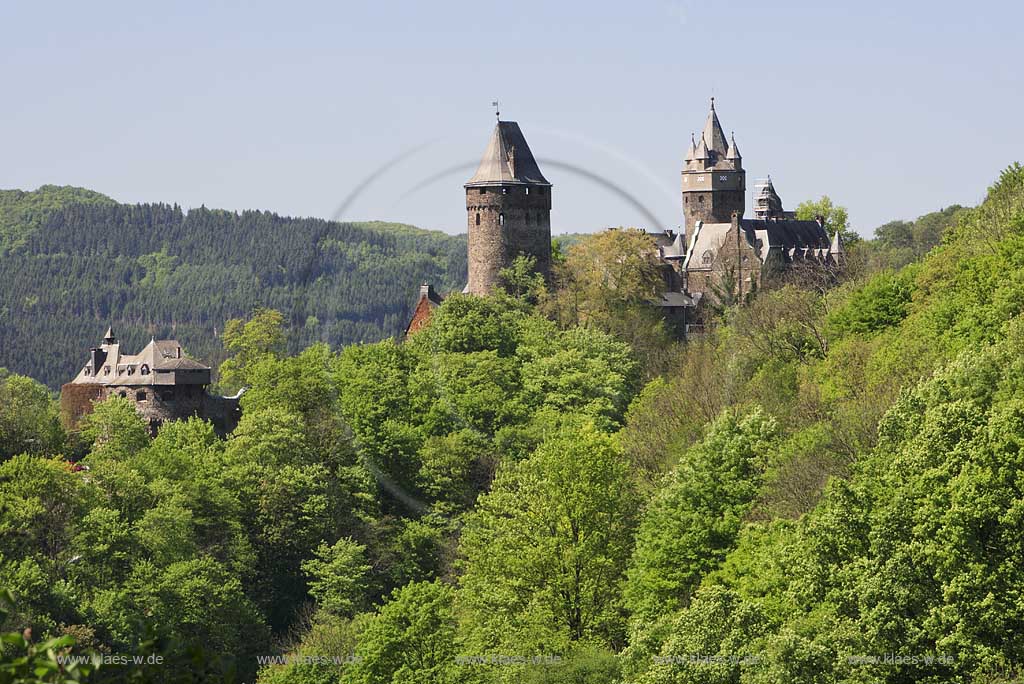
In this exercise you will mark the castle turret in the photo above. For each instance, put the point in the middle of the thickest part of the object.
(714, 181)
(508, 204)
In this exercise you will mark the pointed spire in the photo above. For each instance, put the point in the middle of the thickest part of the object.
(713, 135)
(734, 152)
(109, 337)
(702, 150)
(692, 149)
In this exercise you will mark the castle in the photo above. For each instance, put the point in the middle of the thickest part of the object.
(720, 254)
(726, 253)
(160, 381)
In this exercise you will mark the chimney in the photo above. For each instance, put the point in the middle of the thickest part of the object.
(97, 356)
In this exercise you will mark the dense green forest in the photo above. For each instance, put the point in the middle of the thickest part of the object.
(73, 261)
(545, 486)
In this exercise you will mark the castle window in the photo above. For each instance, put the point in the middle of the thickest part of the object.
(124, 394)
(86, 371)
(707, 257)
(144, 370)
(501, 219)
(140, 395)
(478, 218)
(106, 370)
(527, 191)
(504, 191)
(131, 370)
(701, 199)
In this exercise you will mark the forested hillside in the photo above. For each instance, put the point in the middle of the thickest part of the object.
(72, 261)
(544, 486)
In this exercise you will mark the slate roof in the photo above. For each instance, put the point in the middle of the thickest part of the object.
(713, 135)
(794, 238)
(507, 159)
(159, 356)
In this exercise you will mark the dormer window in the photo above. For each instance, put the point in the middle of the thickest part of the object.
(144, 370)
(130, 370)
(106, 370)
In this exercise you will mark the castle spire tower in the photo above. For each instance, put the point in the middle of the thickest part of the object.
(714, 182)
(508, 205)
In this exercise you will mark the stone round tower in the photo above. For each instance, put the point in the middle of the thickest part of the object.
(508, 207)
(714, 182)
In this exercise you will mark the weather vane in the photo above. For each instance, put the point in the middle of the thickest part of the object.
(497, 114)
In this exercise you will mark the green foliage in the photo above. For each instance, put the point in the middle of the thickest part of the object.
(115, 429)
(25, 662)
(24, 213)
(882, 302)
(837, 218)
(545, 549)
(29, 420)
(608, 281)
(248, 342)
(338, 575)
(410, 639)
(694, 518)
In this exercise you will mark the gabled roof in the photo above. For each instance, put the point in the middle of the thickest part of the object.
(507, 159)
(116, 368)
(713, 134)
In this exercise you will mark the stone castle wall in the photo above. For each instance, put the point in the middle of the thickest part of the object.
(503, 222)
(155, 404)
(711, 206)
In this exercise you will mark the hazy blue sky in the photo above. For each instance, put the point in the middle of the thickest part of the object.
(892, 108)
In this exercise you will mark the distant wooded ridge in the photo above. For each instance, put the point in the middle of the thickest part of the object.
(73, 261)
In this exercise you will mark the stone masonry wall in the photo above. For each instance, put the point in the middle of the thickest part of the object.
(504, 222)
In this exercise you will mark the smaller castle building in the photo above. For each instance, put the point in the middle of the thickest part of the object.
(161, 381)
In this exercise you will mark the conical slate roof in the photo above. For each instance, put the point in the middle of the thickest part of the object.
(507, 159)
(713, 134)
(734, 152)
(702, 150)
(691, 150)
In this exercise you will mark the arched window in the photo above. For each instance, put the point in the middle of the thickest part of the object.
(527, 191)
(478, 218)
(707, 257)
(501, 219)
(86, 371)
(144, 370)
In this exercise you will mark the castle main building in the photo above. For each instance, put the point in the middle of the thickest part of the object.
(725, 251)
